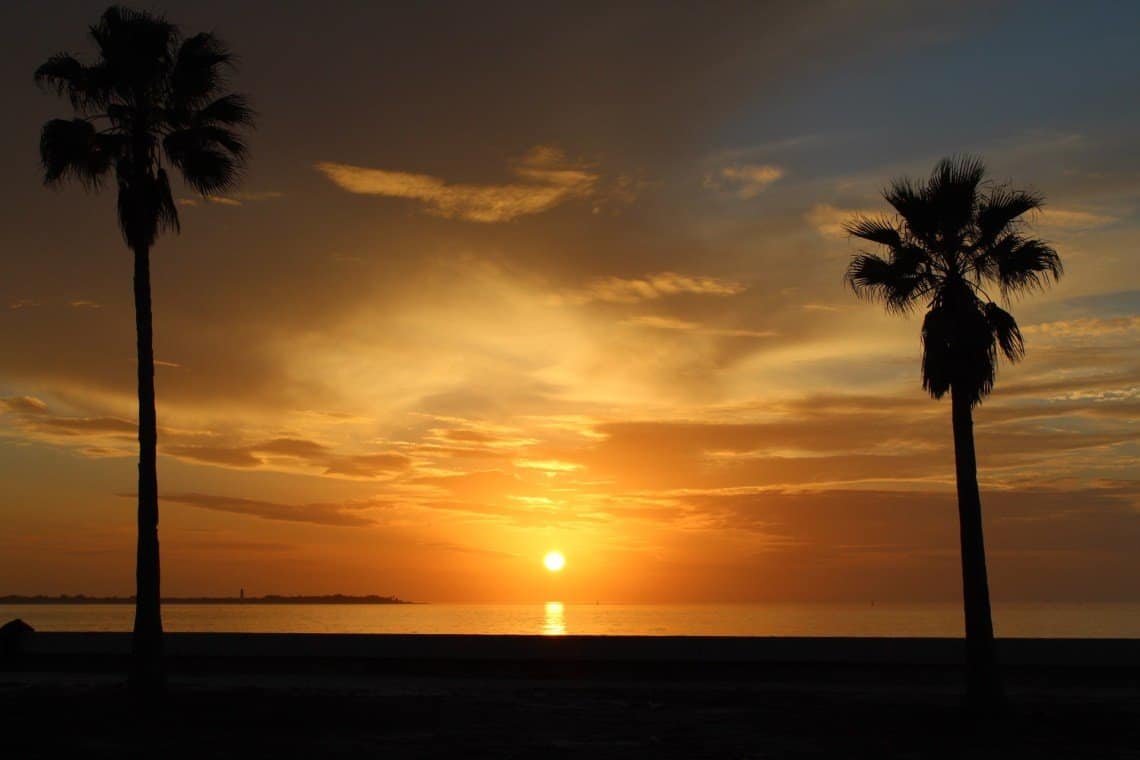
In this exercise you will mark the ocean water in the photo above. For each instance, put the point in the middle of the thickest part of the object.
(555, 618)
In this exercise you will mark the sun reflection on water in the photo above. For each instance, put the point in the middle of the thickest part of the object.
(554, 622)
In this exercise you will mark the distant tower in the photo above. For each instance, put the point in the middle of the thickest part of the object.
(241, 594)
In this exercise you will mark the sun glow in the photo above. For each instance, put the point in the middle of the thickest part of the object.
(554, 561)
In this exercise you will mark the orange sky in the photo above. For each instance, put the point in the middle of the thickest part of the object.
(524, 280)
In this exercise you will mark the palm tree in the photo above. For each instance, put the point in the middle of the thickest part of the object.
(151, 99)
(949, 239)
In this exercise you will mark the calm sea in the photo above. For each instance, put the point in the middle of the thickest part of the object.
(555, 618)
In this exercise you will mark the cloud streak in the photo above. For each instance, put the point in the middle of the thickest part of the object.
(1072, 220)
(23, 405)
(545, 179)
(745, 181)
(347, 514)
(105, 435)
(235, 199)
(1087, 327)
(828, 220)
(292, 453)
(684, 326)
(649, 288)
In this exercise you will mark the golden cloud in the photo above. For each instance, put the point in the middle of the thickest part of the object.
(547, 180)
(681, 325)
(828, 220)
(1072, 219)
(650, 287)
(344, 514)
(1087, 327)
(746, 181)
(23, 405)
(237, 199)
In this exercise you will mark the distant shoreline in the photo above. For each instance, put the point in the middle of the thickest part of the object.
(268, 599)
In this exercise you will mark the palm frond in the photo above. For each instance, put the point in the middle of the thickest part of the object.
(937, 352)
(208, 166)
(911, 258)
(166, 210)
(879, 230)
(199, 70)
(1005, 331)
(229, 110)
(1024, 264)
(911, 203)
(121, 115)
(181, 143)
(210, 172)
(210, 158)
(136, 48)
(124, 33)
(63, 74)
(952, 192)
(74, 149)
(895, 284)
(959, 175)
(1001, 208)
(60, 73)
(959, 349)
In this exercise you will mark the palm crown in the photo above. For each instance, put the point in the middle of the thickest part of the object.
(151, 99)
(949, 239)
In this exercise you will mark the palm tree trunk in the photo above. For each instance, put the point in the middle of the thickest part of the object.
(982, 684)
(146, 670)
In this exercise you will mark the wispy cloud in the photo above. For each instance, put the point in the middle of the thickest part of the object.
(544, 179)
(236, 199)
(1073, 220)
(648, 288)
(745, 181)
(39, 421)
(828, 220)
(449, 546)
(680, 325)
(292, 453)
(85, 304)
(1087, 327)
(345, 514)
(107, 435)
(23, 405)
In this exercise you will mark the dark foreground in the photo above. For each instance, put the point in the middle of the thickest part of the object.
(553, 719)
(553, 704)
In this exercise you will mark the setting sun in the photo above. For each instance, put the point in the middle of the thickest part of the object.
(554, 561)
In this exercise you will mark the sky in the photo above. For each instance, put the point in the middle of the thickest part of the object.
(506, 278)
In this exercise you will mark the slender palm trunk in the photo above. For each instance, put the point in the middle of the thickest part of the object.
(983, 686)
(146, 671)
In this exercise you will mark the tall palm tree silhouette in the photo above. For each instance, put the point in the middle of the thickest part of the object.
(151, 99)
(949, 239)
